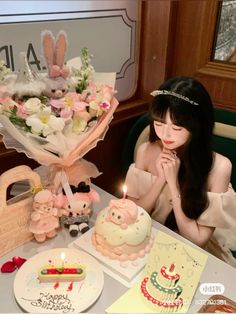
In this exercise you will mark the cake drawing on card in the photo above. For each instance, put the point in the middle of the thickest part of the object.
(162, 290)
(169, 281)
(123, 231)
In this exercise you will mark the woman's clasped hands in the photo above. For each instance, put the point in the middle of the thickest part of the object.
(167, 165)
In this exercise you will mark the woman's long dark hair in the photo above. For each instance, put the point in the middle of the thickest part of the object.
(196, 156)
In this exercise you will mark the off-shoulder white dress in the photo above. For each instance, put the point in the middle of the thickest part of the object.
(221, 212)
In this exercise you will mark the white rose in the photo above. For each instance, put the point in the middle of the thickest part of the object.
(32, 105)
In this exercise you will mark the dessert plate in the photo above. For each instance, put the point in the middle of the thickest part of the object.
(36, 297)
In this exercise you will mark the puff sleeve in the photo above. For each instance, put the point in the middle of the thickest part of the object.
(221, 212)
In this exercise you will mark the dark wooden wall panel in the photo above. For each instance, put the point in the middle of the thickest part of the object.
(194, 30)
(107, 156)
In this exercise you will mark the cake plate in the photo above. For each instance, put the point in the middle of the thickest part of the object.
(36, 297)
(127, 273)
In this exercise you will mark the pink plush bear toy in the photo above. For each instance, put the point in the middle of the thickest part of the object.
(44, 219)
(122, 212)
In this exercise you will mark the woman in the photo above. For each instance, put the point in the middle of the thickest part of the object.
(177, 177)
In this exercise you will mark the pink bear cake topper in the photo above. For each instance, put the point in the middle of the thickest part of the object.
(122, 212)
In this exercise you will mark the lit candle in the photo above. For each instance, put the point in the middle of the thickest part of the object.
(124, 191)
(63, 256)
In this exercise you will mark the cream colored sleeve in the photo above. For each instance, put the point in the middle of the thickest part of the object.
(221, 211)
(138, 181)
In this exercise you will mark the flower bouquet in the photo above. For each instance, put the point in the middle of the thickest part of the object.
(56, 118)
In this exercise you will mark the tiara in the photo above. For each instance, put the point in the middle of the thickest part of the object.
(170, 93)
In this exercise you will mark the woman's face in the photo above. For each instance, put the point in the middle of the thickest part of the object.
(171, 135)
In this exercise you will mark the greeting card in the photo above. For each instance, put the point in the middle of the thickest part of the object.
(169, 280)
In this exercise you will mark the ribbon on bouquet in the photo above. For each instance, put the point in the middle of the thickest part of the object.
(61, 179)
(80, 170)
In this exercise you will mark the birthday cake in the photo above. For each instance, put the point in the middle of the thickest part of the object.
(123, 231)
(162, 289)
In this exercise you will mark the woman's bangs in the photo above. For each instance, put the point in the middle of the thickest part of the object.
(159, 110)
(178, 118)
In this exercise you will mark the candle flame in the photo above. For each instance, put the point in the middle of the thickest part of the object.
(63, 256)
(125, 188)
(124, 192)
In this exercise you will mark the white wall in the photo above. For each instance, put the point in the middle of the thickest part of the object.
(108, 28)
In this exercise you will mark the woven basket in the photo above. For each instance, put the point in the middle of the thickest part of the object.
(15, 213)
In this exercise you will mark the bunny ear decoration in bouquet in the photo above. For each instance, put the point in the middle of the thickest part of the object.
(59, 131)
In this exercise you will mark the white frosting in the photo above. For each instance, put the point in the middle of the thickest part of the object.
(122, 232)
